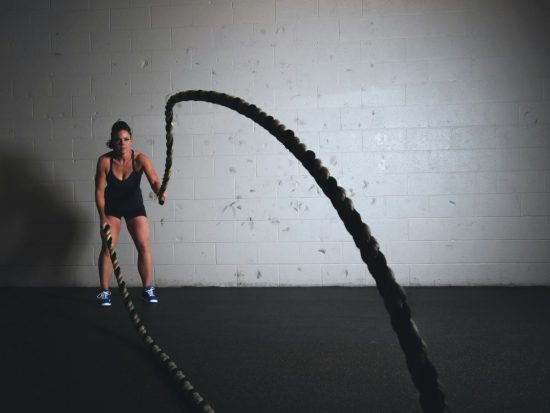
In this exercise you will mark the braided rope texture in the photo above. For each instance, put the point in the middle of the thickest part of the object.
(422, 371)
(186, 389)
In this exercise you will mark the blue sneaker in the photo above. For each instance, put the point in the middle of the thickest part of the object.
(149, 296)
(104, 298)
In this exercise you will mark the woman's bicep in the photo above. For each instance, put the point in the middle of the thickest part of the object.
(100, 175)
(148, 168)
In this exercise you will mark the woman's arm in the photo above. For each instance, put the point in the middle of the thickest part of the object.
(100, 184)
(151, 174)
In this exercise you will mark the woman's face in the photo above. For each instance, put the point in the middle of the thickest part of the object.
(123, 142)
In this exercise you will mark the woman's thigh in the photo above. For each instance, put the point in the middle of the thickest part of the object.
(115, 224)
(138, 227)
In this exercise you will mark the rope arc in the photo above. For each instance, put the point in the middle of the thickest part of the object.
(423, 373)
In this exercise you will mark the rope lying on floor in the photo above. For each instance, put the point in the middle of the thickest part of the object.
(423, 373)
(184, 385)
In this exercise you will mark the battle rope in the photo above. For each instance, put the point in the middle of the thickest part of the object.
(422, 371)
(184, 385)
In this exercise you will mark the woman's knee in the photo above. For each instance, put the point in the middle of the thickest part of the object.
(143, 247)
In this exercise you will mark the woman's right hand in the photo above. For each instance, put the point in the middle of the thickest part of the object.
(102, 224)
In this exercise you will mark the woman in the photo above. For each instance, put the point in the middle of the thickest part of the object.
(117, 195)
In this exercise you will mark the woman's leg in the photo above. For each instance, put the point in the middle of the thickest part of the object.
(104, 261)
(138, 227)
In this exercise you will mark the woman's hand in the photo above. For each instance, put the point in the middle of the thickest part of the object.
(103, 221)
(154, 196)
(102, 224)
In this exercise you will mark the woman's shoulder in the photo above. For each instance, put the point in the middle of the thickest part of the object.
(141, 161)
(140, 157)
(105, 158)
(103, 164)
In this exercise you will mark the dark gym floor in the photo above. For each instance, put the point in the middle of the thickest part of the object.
(273, 350)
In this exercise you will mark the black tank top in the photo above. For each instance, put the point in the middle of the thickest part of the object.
(125, 193)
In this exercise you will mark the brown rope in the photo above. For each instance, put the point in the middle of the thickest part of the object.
(422, 371)
(186, 389)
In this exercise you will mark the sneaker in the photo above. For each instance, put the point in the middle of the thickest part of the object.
(104, 298)
(149, 296)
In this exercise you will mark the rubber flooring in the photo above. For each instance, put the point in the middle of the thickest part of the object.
(273, 350)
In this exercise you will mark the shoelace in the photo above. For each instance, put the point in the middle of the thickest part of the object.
(104, 295)
(150, 292)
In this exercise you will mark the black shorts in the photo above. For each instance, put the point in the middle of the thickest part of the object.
(127, 213)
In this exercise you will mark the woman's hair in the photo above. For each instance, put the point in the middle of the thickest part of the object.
(116, 128)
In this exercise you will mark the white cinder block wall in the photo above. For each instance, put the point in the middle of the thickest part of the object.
(433, 115)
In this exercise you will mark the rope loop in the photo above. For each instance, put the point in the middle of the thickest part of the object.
(422, 371)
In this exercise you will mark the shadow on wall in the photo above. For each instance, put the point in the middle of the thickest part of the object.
(39, 230)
